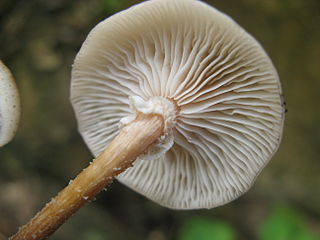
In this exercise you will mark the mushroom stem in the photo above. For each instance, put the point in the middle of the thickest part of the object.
(132, 140)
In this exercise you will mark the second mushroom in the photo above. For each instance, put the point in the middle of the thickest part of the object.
(188, 104)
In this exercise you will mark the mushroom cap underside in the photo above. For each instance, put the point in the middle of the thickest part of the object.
(226, 88)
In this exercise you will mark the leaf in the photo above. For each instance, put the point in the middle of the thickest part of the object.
(206, 229)
(284, 223)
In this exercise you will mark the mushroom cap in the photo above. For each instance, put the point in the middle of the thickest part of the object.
(226, 90)
(9, 105)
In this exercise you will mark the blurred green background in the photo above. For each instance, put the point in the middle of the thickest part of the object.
(39, 40)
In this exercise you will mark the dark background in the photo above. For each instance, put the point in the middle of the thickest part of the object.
(38, 42)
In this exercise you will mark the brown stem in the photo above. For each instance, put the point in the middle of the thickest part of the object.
(133, 140)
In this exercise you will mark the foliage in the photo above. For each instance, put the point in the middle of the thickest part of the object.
(282, 223)
(285, 223)
(206, 229)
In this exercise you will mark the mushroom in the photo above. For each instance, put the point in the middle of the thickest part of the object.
(180, 92)
(9, 105)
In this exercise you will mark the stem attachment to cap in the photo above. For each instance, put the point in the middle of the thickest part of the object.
(155, 105)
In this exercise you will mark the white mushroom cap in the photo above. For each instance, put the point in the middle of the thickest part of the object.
(9, 105)
(226, 92)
